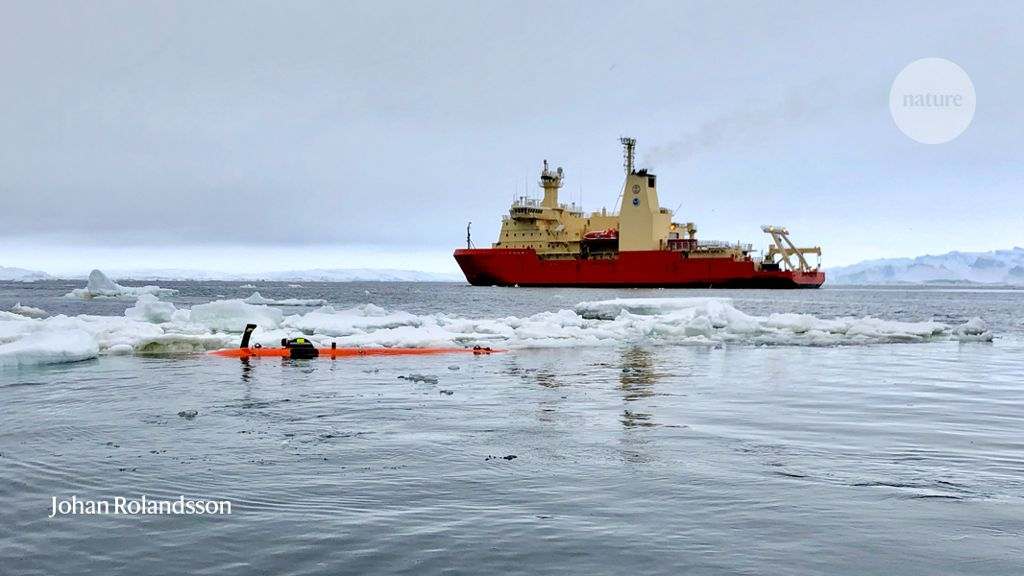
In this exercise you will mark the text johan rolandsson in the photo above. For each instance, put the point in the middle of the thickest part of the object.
(141, 506)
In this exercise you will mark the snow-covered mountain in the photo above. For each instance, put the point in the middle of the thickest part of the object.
(21, 275)
(356, 275)
(995, 267)
(314, 275)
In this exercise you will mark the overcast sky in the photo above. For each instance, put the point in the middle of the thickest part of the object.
(258, 136)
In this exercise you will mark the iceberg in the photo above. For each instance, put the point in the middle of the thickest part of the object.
(99, 286)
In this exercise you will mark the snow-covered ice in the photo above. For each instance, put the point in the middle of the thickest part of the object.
(48, 347)
(233, 315)
(28, 311)
(359, 320)
(152, 326)
(257, 298)
(99, 286)
(149, 308)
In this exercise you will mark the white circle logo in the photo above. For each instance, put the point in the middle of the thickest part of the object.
(932, 100)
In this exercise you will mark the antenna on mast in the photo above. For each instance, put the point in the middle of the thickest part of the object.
(628, 145)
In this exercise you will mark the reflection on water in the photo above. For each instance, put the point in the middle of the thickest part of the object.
(636, 382)
(246, 370)
(543, 376)
(637, 379)
(631, 419)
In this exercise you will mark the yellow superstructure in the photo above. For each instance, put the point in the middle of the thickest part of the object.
(560, 231)
(557, 230)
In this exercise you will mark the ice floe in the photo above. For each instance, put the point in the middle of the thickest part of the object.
(48, 347)
(152, 326)
(233, 315)
(257, 298)
(149, 308)
(101, 287)
(28, 311)
(610, 309)
(363, 319)
(671, 321)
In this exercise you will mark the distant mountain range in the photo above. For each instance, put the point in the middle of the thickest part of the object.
(1003, 267)
(22, 275)
(315, 275)
(999, 267)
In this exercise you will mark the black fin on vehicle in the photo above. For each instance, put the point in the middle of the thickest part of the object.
(246, 335)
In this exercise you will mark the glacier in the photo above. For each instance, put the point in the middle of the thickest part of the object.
(1001, 267)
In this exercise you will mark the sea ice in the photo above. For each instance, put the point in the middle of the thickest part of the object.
(120, 350)
(155, 327)
(609, 309)
(48, 347)
(233, 315)
(149, 308)
(257, 298)
(974, 330)
(359, 320)
(28, 311)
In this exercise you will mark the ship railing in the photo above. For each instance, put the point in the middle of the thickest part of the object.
(524, 202)
(527, 202)
(722, 245)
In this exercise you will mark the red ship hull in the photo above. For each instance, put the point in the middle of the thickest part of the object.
(657, 268)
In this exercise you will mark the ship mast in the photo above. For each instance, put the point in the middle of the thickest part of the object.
(628, 146)
(550, 182)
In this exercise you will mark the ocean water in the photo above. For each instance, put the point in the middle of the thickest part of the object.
(641, 457)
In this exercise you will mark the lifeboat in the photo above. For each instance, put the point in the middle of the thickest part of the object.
(609, 234)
